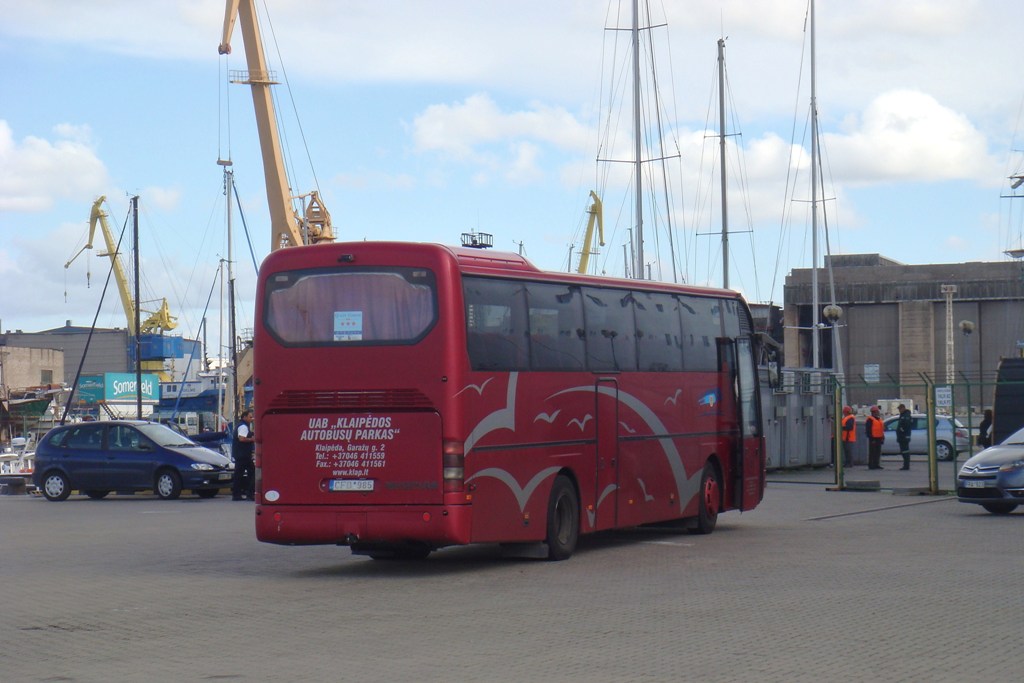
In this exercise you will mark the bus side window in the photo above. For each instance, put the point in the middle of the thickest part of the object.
(701, 327)
(611, 329)
(496, 328)
(556, 313)
(492, 351)
(657, 332)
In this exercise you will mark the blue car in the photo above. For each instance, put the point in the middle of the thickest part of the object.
(219, 442)
(994, 478)
(126, 455)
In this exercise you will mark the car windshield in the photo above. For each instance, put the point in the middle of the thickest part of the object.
(165, 436)
(1016, 438)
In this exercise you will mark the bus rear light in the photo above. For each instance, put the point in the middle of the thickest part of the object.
(453, 459)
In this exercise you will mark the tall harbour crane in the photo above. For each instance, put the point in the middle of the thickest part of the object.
(159, 321)
(596, 212)
(288, 227)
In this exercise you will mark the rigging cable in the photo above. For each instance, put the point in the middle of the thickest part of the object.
(92, 330)
(786, 214)
(291, 99)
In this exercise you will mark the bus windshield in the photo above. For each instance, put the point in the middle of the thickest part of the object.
(351, 307)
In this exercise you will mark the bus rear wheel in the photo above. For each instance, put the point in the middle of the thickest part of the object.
(710, 495)
(563, 519)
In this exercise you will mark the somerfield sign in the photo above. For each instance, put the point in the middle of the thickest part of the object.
(117, 386)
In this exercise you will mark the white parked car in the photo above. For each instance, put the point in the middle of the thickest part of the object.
(948, 430)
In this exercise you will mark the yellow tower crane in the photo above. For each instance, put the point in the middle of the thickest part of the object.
(596, 212)
(288, 227)
(159, 321)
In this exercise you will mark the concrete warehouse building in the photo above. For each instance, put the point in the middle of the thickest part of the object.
(901, 323)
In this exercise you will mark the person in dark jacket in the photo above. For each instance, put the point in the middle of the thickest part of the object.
(985, 429)
(904, 427)
(243, 484)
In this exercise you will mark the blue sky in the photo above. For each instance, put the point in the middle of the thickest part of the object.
(424, 120)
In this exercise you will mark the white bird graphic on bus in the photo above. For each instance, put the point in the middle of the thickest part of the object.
(478, 388)
(581, 423)
(547, 418)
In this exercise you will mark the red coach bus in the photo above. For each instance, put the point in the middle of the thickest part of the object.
(415, 396)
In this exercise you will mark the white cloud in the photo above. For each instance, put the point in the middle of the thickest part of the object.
(162, 198)
(524, 168)
(34, 171)
(460, 129)
(957, 244)
(908, 135)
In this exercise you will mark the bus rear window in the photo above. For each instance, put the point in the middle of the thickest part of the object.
(350, 307)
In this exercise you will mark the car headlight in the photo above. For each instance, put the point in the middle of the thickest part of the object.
(1012, 466)
(203, 466)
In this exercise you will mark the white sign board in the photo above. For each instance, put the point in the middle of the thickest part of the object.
(944, 397)
(871, 373)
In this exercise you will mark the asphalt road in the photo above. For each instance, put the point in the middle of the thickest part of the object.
(814, 585)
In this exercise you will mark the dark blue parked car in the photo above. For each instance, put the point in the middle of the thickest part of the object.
(994, 478)
(219, 442)
(126, 455)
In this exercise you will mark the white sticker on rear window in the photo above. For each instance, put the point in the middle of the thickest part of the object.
(348, 326)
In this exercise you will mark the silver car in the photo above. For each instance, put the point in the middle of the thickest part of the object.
(948, 430)
(994, 478)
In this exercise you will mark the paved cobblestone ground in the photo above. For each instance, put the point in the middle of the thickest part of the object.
(812, 586)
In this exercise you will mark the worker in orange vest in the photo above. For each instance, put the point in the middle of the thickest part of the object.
(849, 435)
(874, 428)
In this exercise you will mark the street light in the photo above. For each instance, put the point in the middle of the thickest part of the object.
(832, 314)
(966, 328)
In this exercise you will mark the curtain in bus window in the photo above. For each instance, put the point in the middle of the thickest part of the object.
(657, 332)
(701, 329)
(556, 327)
(610, 329)
(352, 307)
(496, 325)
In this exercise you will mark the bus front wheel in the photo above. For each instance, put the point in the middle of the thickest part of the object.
(710, 495)
(563, 519)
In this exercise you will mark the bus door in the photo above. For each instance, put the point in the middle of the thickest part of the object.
(606, 410)
(741, 419)
(750, 424)
(729, 420)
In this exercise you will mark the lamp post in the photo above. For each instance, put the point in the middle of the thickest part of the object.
(832, 314)
(966, 328)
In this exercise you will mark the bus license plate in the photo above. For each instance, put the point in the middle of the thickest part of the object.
(352, 484)
(974, 483)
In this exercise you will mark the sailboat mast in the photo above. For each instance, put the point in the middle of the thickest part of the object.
(638, 271)
(721, 152)
(815, 304)
(229, 187)
(220, 349)
(138, 311)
